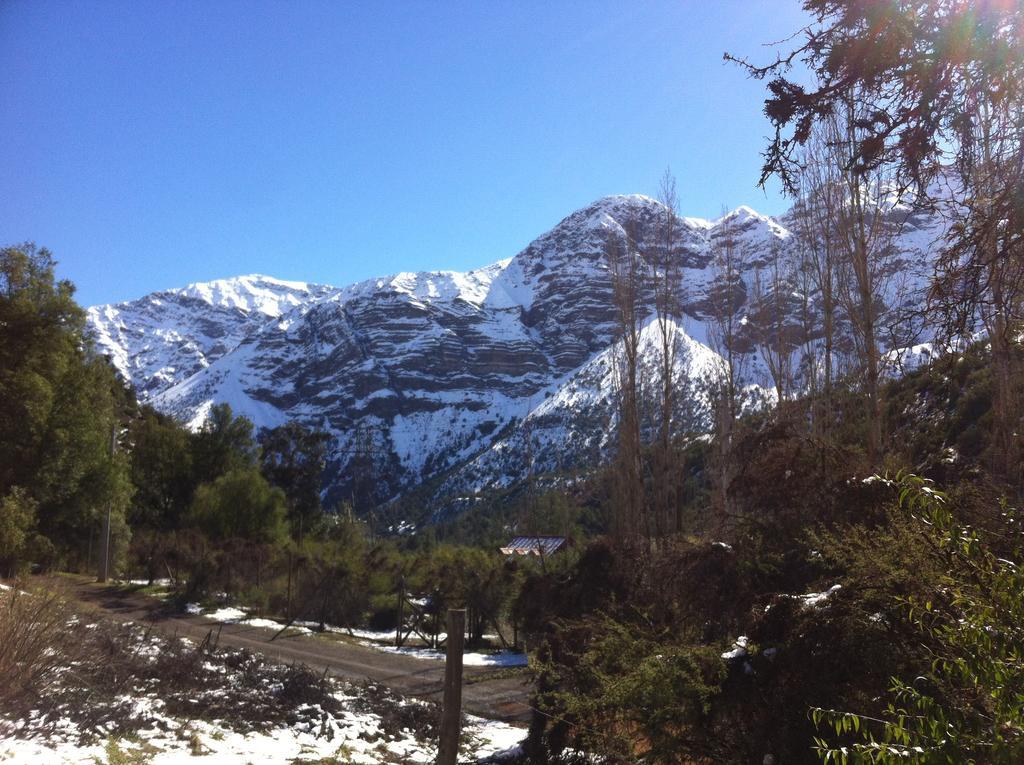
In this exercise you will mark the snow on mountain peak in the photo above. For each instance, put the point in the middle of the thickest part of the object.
(747, 217)
(618, 205)
(249, 293)
(434, 286)
(618, 200)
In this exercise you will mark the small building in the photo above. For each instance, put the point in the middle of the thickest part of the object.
(539, 546)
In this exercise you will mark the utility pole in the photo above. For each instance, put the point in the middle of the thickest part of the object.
(104, 572)
(451, 712)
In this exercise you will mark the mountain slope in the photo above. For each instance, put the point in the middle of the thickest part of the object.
(443, 373)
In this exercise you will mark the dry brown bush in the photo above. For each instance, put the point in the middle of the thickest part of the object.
(38, 643)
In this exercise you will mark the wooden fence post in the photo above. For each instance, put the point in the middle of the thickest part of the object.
(401, 613)
(451, 713)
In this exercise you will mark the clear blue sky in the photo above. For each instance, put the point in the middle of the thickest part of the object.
(153, 144)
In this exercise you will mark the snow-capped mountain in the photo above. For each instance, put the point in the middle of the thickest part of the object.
(447, 375)
(166, 337)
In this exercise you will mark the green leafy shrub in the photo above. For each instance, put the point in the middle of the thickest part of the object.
(631, 693)
(968, 707)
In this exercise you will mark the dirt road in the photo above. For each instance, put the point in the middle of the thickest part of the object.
(487, 692)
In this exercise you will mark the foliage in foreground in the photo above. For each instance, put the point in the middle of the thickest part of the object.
(969, 706)
(633, 693)
(814, 572)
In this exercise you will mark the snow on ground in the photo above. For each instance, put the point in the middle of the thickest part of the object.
(232, 615)
(500, 659)
(354, 737)
(812, 599)
(341, 722)
(816, 599)
(382, 636)
(738, 650)
(375, 639)
(494, 737)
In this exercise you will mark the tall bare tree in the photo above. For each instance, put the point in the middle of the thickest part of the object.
(865, 237)
(817, 210)
(940, 82)
(774, 336)
(726, 295)
(625, 267)
(980, 279)
(668, 301)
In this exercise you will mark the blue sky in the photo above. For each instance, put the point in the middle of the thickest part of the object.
(153, 144)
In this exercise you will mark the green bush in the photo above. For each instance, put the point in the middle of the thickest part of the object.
(629, 694)
(17, 524)
(241, 505)
(968, 707)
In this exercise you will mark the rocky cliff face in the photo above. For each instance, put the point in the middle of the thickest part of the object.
(468, 376)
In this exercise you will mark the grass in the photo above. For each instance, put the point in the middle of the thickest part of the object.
(505, 673)
(342, 757)
(196, 747)
(159, 591)
(116, 755)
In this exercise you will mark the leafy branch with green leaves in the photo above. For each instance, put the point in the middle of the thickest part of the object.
(969, 706)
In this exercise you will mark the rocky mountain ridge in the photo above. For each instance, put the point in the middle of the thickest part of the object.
(469, 380)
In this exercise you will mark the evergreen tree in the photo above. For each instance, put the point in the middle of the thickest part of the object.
(60, 406)
(293, 459)
(224, 443)
(17, 522)
(161, 471)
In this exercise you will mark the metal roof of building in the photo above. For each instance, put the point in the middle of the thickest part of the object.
(534, 546)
